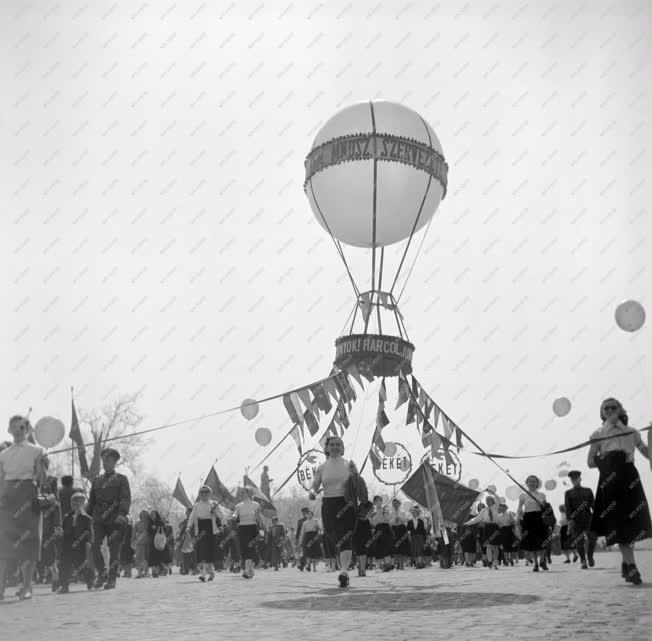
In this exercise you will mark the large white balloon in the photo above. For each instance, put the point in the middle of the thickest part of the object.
(513, 492)
(49, 431)
(390, 449)
(249, 408)
(263, 436)
(630, 315)
(561, 406)
(340, 182)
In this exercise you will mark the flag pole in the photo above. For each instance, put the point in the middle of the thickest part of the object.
(72, 449)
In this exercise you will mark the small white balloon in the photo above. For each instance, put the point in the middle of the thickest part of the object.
(49, 431)
(550, 485)
(249, 408)
(561, 406)
(491, 488)
(474, 484)
(390, 450)
(513, 492)
(630, 316)
(263, 436)
(563, 474)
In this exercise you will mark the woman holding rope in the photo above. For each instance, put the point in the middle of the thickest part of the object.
(621, 513)
(343, 488)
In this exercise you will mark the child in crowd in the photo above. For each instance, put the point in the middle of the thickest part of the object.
(76, 545)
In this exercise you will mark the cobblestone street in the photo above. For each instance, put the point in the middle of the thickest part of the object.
(462, 603)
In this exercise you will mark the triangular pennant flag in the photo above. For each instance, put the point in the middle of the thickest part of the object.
(347, 392)
(458, 437)
(180, 494)
(220, 493)
(366, 374)
(426, 438)
(378, 441)
(382, 420)
(449, 427)
(331, 388)
(382, 392)
(304, 395)
(403, 393)
(321, 396)
(294, 397)
(291, 409)
(422, 397)
(427, 427)
(435, 442)
(448, 457)
(314, 408)
(311, 422)
(427, 409)
(353, 370)
(383, 297)
(77, 438)
(297, 438)
(436, 415)
(375, 460)
(341, 411)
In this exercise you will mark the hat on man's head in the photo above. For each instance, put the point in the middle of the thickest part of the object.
(109, 452)
(573, 474)
(66, 480)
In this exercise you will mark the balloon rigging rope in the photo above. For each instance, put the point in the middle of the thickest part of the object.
(416, 221)
(414, 261)
(373, 227)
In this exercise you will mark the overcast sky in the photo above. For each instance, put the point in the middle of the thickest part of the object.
(156, 237)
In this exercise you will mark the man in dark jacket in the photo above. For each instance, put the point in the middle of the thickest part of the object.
(108, 505)
(578, 502)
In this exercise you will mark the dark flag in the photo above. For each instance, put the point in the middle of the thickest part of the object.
(220, 493)
(180, 494)
(77, 438)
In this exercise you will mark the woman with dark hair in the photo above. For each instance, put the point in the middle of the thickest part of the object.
(204, 524)
(21, 471)
(621, 513)
(344, 489)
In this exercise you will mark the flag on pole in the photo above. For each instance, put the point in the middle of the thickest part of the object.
(220, 493)
(77, 438)
(180, 494)
(258, 496)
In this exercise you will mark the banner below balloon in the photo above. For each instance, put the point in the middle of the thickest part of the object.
(513, 492)
(263, 436)
(474, 484)
(630, 316)
(561, 406)
(49, 431)
(550, 485)
(249, 408)
(390, 450)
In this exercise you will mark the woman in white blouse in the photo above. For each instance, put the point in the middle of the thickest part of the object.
(249, 527)
(621, 513)
(489, 516)
(20, 518)
(534, 530)
(204, 524)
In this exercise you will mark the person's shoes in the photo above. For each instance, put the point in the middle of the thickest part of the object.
(567, 561)
(535, 568)
(633, 575)
(63, 590)
(544, 566)
(584, 565)
(55, 586)
(211, 577)
(89, 585)
(202, 578)
(110, 584)
(99, 582)
(26, 595)
(623, 570)
(575, 559)
(344, 580)
(591, 561)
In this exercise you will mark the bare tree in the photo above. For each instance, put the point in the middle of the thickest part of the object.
(115, 419)
(150, 493)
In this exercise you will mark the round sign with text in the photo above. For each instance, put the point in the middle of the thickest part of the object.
(307, 467)
(395, 469)
(452, 470)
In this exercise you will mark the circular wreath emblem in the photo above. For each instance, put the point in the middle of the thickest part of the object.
(451, 470)
(307, 467)
(394, 470)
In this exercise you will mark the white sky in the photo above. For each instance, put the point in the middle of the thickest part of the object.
(155, 234)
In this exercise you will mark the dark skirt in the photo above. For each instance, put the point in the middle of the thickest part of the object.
(490, 534)
(417, 544)
(248, 541)
(508, 539)
(311, 544)
(205, 541)
(384, 545)
(401, 540)
(20, 524)
(338, 518)
(621, 513)
(535, 532)
(363, 538)
(467, 539)
(329, 551)
(564, 538)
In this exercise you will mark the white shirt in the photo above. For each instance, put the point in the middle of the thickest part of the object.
(487, 515)
(333, 474)
(505, 519)
(626, 439)
(247, 512)
(529, 504)
(20, 460)
(202, 510)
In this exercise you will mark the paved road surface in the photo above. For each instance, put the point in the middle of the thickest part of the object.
(510, 604)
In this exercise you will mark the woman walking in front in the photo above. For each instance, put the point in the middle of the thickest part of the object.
(343, 490)
(535, 531)
(311, 542)
(249, 526)
(621, 513)
(21, 469)
(204, 524)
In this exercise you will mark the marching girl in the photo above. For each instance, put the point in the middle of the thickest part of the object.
(204, 524)
(401, 538)
(384, 542)
(534, 530)
(489, 517)
(417, 529)
(621, 513)
(508, 540)
(467, 542)
(363, 537)
(311, 541)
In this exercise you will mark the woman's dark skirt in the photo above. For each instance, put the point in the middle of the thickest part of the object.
(621, 512)
(535, 532)
(467, 539)
(491, 534)
(311, 544)
(338, 518)
(508, 539)
(564, 538)
(363, 543)
(205, 541)
(401, 540)
(248, 541)
(384, 545)
(417, 544)
(329, 551)
(20, 524)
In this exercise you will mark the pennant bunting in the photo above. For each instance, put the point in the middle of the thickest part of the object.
(311, 422)
(353, 370)
(294, 398)
(291, 410)
(382, 392)
(403, 392)
(382, 420)
(458, 437)
(422, 397)
(331, 388)
(341, 412)
(322, 398)
(378, 440)
(449, 427)
(436, 414)
(375, 459)
(304, 395)
(295, 434)
(366, 374)
(411, 411)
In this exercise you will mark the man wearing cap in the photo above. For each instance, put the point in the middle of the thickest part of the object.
(108, 505)
(578, 502)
